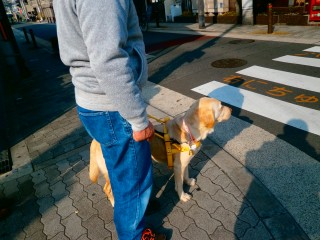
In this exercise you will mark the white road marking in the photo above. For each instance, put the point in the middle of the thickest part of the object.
(281, 111)
(313, 62)
(313, 49)
(286, 78)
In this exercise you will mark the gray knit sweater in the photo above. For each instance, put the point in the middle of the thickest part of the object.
(102, 43)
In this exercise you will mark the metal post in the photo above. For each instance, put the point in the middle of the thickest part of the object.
(26, 35)
(270, 19)
(201, 18)
(33, 38)
(41, 9)
(52, 14)
(157, 14)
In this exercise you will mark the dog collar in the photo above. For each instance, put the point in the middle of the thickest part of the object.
(191, 137)
(193, 143)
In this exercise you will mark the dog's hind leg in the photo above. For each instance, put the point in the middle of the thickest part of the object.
(108, 190)
(97, 166)
(93, 167)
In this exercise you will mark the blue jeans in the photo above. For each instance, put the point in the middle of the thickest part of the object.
(129, 165)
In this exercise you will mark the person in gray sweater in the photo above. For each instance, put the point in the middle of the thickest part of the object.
(102, 43)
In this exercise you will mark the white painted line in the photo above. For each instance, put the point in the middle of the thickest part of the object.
(313, 49)
(281, 111)
(286, 78)
(314, 62)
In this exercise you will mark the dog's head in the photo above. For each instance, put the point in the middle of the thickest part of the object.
(204, 114)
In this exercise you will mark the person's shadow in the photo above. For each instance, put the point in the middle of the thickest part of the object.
(282, 170)
(301, 138)
(232, 128)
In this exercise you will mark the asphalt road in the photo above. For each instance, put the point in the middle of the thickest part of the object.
(281, 104)
(153, 40)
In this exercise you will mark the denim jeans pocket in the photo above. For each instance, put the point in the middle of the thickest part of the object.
(98, 125)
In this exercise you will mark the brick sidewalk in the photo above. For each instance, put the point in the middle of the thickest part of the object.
(57, 200)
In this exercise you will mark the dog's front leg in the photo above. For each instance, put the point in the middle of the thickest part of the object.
(179, 171)
(187, 179)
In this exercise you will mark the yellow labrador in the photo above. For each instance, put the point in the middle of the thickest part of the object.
(187, 129)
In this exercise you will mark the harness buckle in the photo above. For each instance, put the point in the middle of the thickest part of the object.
(193, 147)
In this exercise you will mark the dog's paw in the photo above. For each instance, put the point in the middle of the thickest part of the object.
(190, 181)
(185, 197)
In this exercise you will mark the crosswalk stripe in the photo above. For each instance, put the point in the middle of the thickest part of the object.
(281, 111)
(313, 49)
(313, 62)
(286, 78)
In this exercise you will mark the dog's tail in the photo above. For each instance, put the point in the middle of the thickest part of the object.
(94, 168)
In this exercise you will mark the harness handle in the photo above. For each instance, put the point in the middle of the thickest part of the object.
(170, 147)
(166, 119)
(166, 138)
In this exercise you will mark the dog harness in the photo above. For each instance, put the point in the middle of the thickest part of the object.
(172, 146)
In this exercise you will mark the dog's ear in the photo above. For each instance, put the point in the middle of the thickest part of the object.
(225, 114)
(205, 113)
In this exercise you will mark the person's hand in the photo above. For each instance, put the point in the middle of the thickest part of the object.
(145, 134)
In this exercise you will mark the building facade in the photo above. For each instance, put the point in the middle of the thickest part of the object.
(248, 9)
(39, 10)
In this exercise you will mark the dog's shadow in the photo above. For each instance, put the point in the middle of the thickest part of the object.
(166, 213)
(165, 210)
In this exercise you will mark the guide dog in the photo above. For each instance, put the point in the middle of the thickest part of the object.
(187, 130)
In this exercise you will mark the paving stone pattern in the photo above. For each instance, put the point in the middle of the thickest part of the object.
(58, 201)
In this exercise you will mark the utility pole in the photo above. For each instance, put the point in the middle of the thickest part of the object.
(12, 70)
(4, 141)
(10, 47)
(40, 9)
(5, 160)
(201, 18)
